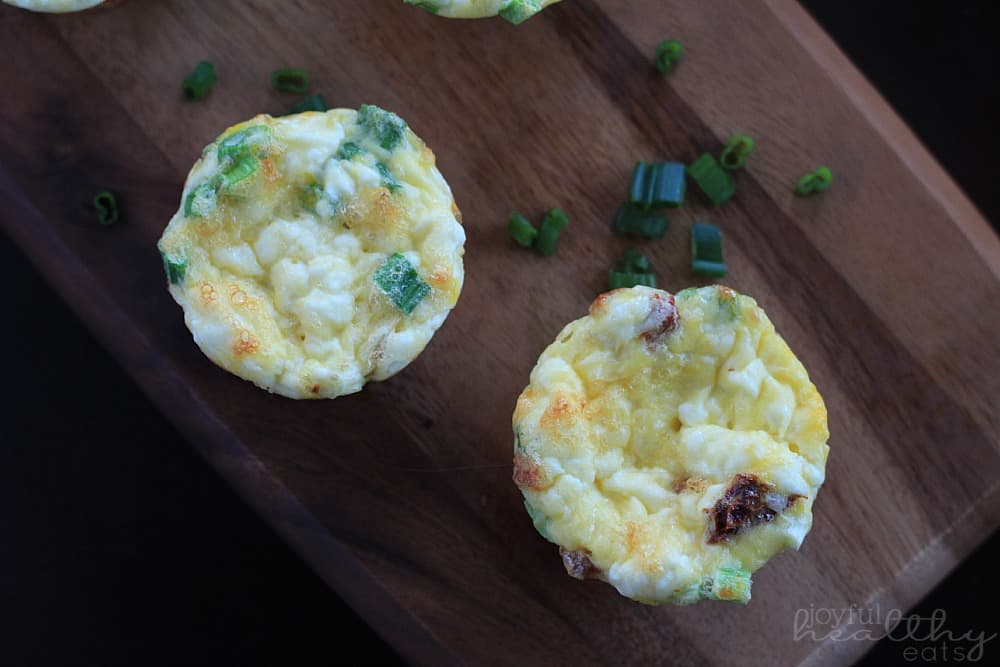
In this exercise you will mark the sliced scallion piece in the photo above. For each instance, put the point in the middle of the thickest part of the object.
(633, 220)
(175, 269)
(387, 127)
(253, 138)
(734, 155)
(242, 168)
(712, 179)
(668, 54)
(388, 180)
(290, 80)
(199, 82)
(814, 181)
(432, 7)
(631, 271)
(349, 150)
(312, 103)
(521, 230)
(706, 251)
(548, 235)
(728, 583)
(657, 184)
(519, 11)
(107, 208)
(401, 283)
(200, 201)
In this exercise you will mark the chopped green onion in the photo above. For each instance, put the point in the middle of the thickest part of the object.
(388, 180)
(312, 103)
(518, 11)
(668, 54)
(730, 584)
(521, 230)
(632, 220)
(401, 282)
(200, 201)
(175, 269)
(552, 224)
(243, 168)
(290, 81)
(233, 146)
(706, 251)
(199, 82)
(631, 271)
(387, 127)
(710, 177)
(814, 181)
(734, 155)
(432, 7)
(657, 184)
(348, 150)
(107, 208)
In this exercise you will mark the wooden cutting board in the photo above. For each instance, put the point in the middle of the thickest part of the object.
(400, 497)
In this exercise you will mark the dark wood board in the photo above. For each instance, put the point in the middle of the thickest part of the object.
(400, 496)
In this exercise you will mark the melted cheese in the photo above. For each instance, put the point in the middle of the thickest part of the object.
(278, 281)
(626, 437)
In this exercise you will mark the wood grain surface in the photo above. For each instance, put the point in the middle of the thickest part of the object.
(400, 496)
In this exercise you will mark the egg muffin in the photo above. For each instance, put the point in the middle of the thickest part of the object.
(59, 6)
(670, 445)
(515, 11)
(314, 252)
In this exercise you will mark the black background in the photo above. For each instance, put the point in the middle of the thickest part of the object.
(121, 546)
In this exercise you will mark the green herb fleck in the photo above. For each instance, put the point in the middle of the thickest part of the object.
(401, 283)
(387, 127)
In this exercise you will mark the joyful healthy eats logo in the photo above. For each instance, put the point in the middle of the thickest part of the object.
(926, 637)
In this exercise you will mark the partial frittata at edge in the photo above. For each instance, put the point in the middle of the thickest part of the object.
(515, 11)
(312, 253)
(670, 445)
(57, 6)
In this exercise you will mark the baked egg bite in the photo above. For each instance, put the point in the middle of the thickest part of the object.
(515, 11)
(670, 445)
(312, 253)
(58, 6)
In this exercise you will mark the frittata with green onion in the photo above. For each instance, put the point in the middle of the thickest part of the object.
(314, 252)
(670, 444)
(58, 6)
(515, 11)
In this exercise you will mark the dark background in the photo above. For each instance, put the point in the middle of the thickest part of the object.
(120, 546)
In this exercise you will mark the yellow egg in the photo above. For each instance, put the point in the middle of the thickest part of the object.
(670, 445)
(514, 11)
(312, 253)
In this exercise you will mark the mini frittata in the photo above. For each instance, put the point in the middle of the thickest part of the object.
(56, 6)
(670, 445)
(312, 253)
(515, 11)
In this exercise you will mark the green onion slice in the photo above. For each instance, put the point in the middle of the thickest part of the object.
(175, 269)
(734, 155)
(728, 583)
(200, 201)
(290, 81)
(254, 138)
(631, 271)
(312, 103)
(814, 181)
(706, 251)
(387, 127)
(401, 282)
(668, 54)
(243, 168)
(519, 11)
(107, 208)
(388, 180)
(633, 220)
(199, 82)
(432, 7)
(657, 184)
(548, 235)
(521, 230)
(349, 150)
(712, 179)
